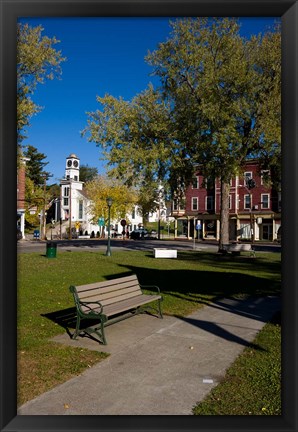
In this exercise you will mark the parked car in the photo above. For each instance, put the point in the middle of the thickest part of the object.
(115, 234)
(153, 234)
(138, 234)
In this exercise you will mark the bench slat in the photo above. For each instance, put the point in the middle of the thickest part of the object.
(115, 299)
(107, 284)
(102, 293)
(123, 305)
(131, 303)
(110, 295)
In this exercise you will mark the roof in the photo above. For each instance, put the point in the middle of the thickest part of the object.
(73, 155)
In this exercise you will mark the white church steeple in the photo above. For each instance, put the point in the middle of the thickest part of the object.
(72, 168)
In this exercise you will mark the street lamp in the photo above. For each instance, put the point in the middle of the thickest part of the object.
(109, 204)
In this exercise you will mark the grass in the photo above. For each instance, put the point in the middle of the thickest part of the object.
(187, 283)
(252, 385)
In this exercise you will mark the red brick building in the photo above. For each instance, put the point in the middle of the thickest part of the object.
(255, 214)
(21, 178)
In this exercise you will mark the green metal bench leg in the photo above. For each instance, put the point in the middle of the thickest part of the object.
(104, 341)
(77, 330)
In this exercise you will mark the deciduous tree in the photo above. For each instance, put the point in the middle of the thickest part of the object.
(87, 173)
(224, 92)
(37, 61)
(101, 188)
(217, 106)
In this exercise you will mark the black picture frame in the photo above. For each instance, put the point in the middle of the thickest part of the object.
(10, 11)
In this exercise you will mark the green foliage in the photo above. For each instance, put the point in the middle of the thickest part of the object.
(43, 288)
(53, 191)
(225, 98)
(87, 173)
(34, 197)
(134, 137)
(37, 61)
(252, 385)
(35, 166)
(101, 188)
(218, 105)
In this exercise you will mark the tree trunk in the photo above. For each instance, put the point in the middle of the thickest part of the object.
(224, 216)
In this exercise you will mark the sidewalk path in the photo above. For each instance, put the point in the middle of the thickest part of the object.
(158, 367)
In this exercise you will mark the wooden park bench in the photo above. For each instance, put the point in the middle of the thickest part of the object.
(237, 248)
(110, 301)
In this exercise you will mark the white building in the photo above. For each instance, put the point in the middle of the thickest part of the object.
(75, 205)
(161, 213)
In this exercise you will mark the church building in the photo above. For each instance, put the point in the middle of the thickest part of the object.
(75, 205)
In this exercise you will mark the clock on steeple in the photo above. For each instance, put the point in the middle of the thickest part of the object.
(72, 167)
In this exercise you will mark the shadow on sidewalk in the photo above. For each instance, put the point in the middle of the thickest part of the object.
(218, 331)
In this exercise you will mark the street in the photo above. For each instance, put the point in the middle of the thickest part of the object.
(95, 245)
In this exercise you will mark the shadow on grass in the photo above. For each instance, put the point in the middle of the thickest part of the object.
(229, 261)
(67, 318)
(199, 287)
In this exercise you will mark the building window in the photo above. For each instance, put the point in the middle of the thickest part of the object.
(247, 176)
(265, 177)
(209, 202)
(247, 202)
(178, 205)
(75, 178)
(230, 202)
(66, 191)
(265, 201)
(195, 203)
(65, 201)
(209, 183)
(80, 209)
(133, 214)
(195, 183)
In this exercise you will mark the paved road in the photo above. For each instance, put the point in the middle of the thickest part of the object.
(96, 245)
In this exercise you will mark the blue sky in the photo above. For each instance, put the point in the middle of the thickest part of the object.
(104, 55)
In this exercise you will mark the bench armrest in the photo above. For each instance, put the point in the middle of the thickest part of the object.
(150, 286)
(86, 304)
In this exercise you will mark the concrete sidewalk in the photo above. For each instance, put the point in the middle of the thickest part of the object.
(158, 367)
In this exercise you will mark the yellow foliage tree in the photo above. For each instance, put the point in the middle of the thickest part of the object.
(101, 188)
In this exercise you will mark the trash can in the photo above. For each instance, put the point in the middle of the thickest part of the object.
(51, 250)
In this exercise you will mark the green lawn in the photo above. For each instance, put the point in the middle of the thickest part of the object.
(252, 385)
(187, 283)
